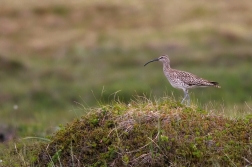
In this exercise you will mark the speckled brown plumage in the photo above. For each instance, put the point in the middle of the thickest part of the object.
(182, 79)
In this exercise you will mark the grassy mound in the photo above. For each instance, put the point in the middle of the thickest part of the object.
(150, 134)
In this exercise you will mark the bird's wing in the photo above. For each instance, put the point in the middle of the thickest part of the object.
(191, 79)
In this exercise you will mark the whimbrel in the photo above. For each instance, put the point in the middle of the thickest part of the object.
(181, 79)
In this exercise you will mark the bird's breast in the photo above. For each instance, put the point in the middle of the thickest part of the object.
(176, 83)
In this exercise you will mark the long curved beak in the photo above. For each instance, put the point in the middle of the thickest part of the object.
(151, 61)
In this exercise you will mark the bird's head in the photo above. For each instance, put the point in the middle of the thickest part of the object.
(164, 59)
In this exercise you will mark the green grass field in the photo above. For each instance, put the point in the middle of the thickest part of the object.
(58, 58)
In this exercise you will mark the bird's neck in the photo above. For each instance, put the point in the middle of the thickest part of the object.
(167, 70)
(166, 66)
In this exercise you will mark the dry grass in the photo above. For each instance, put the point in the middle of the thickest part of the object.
(46, 27)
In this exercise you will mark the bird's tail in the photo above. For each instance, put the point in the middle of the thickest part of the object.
(215, 84)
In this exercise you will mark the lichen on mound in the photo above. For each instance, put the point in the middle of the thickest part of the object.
(145, 133)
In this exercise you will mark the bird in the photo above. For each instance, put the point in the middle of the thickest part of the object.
(182, 79)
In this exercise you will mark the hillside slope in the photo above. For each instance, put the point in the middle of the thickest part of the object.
(150, 134)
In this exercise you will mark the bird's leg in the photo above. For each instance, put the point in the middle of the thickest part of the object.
(188, 99)
(186, 96)
(183, 99)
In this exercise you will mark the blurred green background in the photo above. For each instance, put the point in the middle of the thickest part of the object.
(59, 57)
